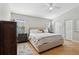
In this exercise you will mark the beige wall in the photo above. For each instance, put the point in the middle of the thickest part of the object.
(73, 15)
(4, 12)
(31, 21)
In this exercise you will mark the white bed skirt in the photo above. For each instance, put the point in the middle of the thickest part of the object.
(46, 46)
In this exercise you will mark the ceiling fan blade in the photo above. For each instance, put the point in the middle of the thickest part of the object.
(57, 7)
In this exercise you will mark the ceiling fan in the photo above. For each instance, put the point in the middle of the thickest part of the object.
(52, 6)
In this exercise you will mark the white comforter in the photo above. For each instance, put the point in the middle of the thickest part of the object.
(42, 38)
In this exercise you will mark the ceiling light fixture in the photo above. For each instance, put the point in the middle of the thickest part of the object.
(52, 6)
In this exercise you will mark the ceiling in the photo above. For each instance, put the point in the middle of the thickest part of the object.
(41, 9)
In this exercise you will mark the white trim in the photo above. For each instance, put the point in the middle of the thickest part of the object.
(72, 40)
(75, 41)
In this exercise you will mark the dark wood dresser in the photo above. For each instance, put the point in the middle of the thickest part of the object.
(8, 45)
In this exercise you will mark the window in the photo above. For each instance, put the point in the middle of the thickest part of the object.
(20, 26)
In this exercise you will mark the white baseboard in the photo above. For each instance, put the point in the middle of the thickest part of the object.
(73, 40)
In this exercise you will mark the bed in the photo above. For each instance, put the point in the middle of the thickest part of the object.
(44, 41)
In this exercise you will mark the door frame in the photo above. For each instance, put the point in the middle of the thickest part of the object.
(65, 29)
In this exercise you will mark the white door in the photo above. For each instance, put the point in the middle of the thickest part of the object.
(68, 29)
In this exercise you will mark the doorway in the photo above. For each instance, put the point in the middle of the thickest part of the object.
(68, 30)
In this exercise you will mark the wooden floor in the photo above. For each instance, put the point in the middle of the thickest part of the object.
(68, 48)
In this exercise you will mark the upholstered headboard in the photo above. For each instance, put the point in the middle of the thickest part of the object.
(36, 28)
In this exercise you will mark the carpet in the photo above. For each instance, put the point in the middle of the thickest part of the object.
(23, 49)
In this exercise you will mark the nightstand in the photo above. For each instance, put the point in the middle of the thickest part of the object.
(22, 37)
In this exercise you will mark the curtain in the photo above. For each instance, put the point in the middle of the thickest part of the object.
(51, 27)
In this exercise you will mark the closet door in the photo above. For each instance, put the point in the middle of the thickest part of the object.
(69, 29)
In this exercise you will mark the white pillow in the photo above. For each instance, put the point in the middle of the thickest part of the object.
(45, 30)
(35, 31)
